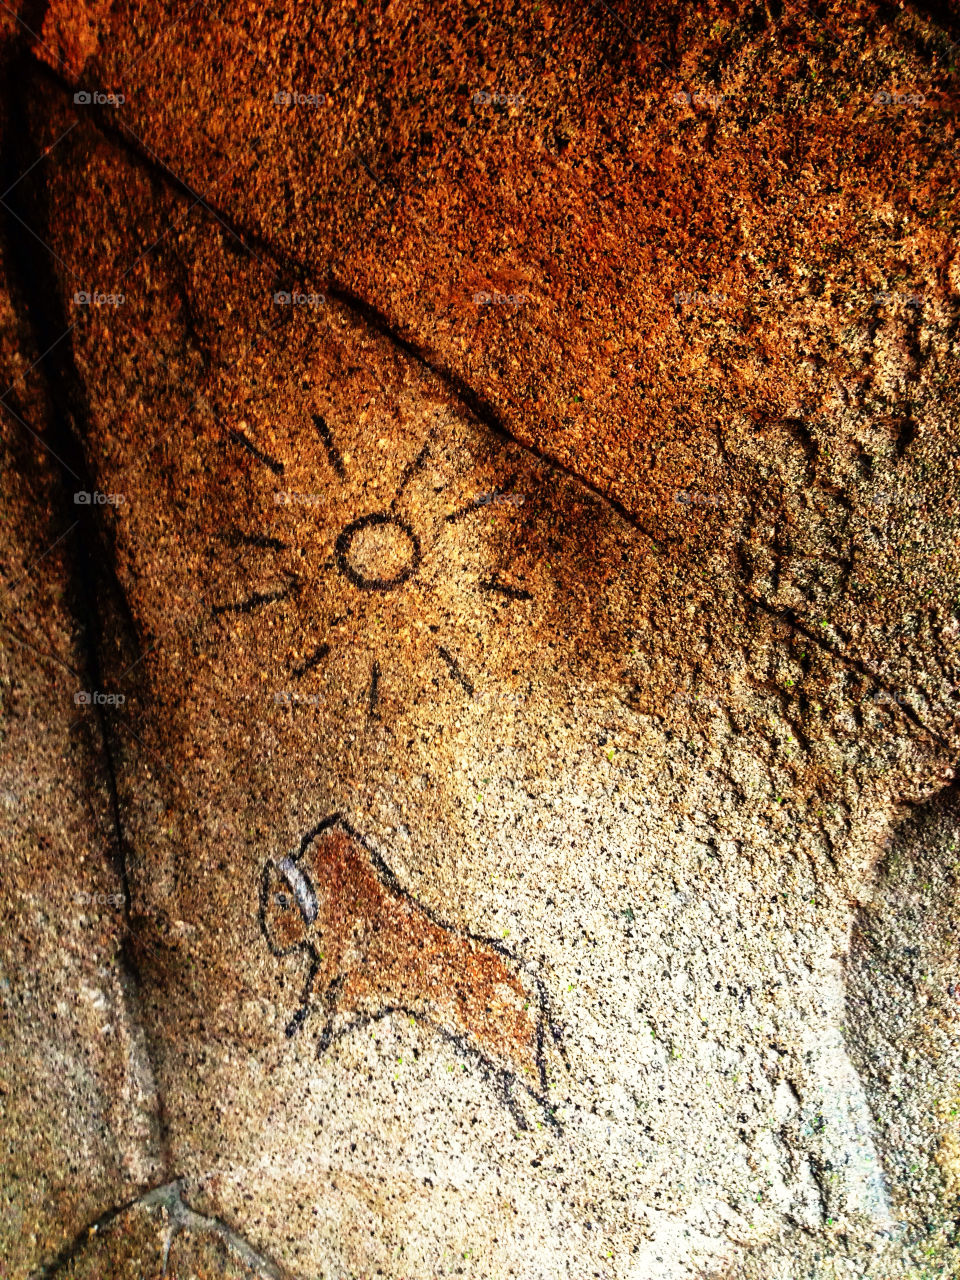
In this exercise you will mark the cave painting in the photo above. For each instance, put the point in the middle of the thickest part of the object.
(370, 950)
(369, 561)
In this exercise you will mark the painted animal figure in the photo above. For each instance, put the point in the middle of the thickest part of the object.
(371, 950)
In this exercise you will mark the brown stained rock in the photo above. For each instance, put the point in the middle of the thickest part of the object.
(683, 202)
(71, 33)
(603, 757)
(538, 447)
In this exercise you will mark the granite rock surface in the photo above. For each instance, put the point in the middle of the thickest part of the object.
(514, 459)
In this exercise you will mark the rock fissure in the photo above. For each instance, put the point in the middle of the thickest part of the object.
(167, 1198)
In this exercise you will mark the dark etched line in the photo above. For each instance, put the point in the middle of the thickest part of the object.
(466, 511)
(314, 660)
(333, 453)
(455, 671)
(297, 1021)
(409, 471)
(501, 1081)
(540, 1058)
(241, 439)
(374, 694)
(514, 593)
(252, 241)
(237, 539)
(252, 602)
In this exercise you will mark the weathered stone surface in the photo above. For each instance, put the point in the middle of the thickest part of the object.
(537, 760)
(159, 1234)
(78, 1110)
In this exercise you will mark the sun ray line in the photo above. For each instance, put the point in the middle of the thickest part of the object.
(504, 589)
(475, 505)
(333, 453)
(238, 539)
(238, 436)
(253, 602)
(314, 660)
(454, 668)
(409, 471)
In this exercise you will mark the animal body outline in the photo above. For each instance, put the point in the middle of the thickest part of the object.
(304, 895)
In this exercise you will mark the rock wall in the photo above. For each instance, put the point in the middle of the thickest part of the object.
(490, 480)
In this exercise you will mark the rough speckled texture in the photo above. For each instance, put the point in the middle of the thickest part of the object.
(636, 703)
(78, 1108)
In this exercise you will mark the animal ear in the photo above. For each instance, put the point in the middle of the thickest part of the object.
(302, 888)
(282, 920)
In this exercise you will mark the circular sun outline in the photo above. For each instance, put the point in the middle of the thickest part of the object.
(340, 561)
(376, 519)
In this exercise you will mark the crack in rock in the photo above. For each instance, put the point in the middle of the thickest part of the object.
(168, 1199)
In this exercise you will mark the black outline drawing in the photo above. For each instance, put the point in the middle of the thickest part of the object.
(374, 520)
(340, 561)
(333, 453)
(275, 466)
(502, 1080)
(454, 668)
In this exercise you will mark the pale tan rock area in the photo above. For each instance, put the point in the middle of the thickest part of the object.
(518, 600)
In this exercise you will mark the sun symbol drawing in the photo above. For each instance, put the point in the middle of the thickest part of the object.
(381, 575)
